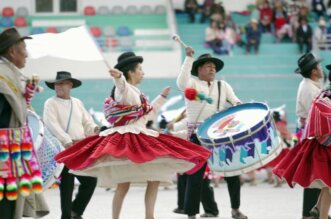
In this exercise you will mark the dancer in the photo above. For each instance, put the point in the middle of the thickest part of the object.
(128, 152)
(308, 163)
(204, 70)
(68, 120)
(310, 86)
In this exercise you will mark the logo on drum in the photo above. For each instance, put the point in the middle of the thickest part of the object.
(226, 126)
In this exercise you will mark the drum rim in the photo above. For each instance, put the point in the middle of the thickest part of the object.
(240, 136)
(202, 131)
(41, 132)
(53, 177)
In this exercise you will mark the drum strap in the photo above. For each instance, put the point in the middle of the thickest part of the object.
(219, 83)
(69, 119)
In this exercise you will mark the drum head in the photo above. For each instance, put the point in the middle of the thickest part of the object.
(37, 129)
(50, 169)
(232, 122)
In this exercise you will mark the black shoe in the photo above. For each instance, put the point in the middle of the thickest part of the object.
(179, 211)
(77, 217)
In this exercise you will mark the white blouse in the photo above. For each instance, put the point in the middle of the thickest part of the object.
(126, 93)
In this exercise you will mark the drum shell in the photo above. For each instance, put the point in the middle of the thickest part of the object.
(245, 151)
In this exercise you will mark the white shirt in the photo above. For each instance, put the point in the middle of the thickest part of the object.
(307, 91)
(198, 111)
(126, 93)
(56, 117)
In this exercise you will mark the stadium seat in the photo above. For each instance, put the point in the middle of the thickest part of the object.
(111, 42)
(89, 11)
(103, 10)
(37, 30)
(95, 31)
(22, 11)
(52, 30)
(131, 9)
(20, 22)
(123, 31)
(126, 42)
(24, 31)
(146, 9)
(100, 41)
(160, 9)
(7, 12)
(6, 22)
(117, 10)
(109, 31)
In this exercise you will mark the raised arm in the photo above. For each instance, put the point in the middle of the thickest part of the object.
(184, 77)
(119, 80)
(158, 102)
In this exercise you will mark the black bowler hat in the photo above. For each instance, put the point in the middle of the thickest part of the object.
(63, 76)
(202, 60)
(9, 37)
(306, 63)
(127, 58)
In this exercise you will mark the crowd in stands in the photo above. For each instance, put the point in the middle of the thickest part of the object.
(287, 20)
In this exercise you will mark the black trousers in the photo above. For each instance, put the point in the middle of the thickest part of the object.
(310, 198)
(303, 42)
(7, 209)
(207, 196)
(85, 192)
(195, 186)
(234, 187)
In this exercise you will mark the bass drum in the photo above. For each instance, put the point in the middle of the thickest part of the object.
(242, 138)
(46, 146)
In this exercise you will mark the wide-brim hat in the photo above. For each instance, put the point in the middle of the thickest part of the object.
(127, 58)
(306, 63)
(9, 37)
(63, 76)
(206, 58)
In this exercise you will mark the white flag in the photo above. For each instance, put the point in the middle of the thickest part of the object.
(73, 44)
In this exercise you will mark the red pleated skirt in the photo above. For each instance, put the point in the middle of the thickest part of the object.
(308, 164)
(138, 148)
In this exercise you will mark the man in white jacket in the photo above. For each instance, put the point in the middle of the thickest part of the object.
(310, 69)
(203, 71)
(68, 120)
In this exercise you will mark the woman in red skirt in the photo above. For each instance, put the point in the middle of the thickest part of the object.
(309, 162)
(127, 152)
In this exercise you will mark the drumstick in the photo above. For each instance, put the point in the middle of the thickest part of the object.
(174, 88)
(176, 38)
(180, 116)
